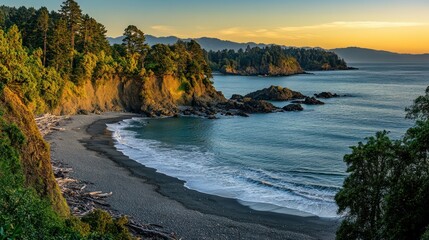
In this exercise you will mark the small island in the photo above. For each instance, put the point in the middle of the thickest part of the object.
(274, 61)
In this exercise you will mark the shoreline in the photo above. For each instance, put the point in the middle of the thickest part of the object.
(156, 198)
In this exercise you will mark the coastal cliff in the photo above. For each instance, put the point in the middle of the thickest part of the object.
(151, 95)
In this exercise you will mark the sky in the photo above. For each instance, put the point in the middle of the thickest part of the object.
(392, 25)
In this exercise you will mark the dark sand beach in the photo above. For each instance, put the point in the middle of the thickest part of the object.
(154, 198)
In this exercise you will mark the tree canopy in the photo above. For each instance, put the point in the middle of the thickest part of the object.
(387, 192)
(264, 61)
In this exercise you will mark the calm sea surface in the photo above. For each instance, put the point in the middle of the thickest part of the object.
(281, 162)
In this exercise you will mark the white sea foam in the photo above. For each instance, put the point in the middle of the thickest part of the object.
(259, 189)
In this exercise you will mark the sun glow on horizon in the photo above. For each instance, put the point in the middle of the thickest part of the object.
(391, 25)
(401, 37)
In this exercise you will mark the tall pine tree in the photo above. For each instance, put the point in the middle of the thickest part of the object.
(43, 25)
(71, 12)
(135, 42)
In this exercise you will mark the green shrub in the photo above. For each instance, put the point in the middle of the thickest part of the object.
(102, 224)
(185, 86)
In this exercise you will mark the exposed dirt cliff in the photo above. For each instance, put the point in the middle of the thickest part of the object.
(151, 95)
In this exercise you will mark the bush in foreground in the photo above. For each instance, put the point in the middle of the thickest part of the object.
(387, 192)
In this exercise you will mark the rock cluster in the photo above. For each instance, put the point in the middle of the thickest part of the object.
(248, 105)
(310, 101)
(275, 93)
(236, 106)
(294, 107)
(326, 95)
(255, 102)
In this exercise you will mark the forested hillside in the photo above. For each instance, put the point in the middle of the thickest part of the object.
(61, 62)
(274, 60)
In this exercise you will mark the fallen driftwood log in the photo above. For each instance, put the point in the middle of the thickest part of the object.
(48, 123)
(83, 202)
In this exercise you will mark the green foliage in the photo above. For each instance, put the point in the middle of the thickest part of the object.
(160, 60)
(420, 109)
(265, 60)
(316, 59)
(72, 14)
(51, 87)
(5, 75)
(106, 67)
(425, 236)
(102, 224)
(386, 194)
(134, 40)
(272, 60)
(135, 46)
(22, 213)
(92, 38)
(17, 69)
(43, 27)
(363, 190)
(59, 48)
(185, 86)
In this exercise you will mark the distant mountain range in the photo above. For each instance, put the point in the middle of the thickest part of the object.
(205, 42)
(350, 54)
(365, 55)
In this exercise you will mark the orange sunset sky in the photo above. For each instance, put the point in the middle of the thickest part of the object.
(399, 26)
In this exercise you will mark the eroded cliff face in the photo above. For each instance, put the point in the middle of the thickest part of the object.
(151, 95)
(35, 153)
(103, 95)
(162, 96)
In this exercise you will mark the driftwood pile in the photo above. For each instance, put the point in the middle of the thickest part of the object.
(81, 201)
(48, 123)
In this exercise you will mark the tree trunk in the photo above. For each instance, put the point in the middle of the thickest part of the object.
(44, 48)
(72, 49)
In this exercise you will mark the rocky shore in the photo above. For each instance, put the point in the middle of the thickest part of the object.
(254, 102)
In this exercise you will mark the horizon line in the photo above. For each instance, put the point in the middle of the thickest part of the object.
(382, 50)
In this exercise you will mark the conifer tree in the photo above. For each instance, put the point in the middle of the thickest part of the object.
(71, 12)
(135, 42)
(43, 25)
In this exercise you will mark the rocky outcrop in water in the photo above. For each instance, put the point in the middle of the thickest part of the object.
(294, 107)
(275, 93)
(310, 101)
(326, 95)
(236, 106)
(248, 105)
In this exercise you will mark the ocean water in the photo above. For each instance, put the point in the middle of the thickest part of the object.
(281, 162)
